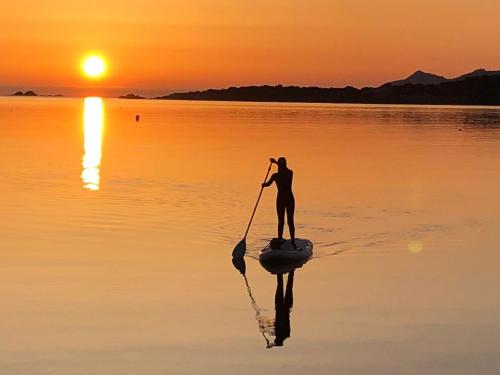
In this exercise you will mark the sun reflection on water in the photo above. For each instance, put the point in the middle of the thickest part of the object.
(93, 119)
(415, 247)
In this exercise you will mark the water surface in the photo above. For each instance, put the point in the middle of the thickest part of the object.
(117, 234)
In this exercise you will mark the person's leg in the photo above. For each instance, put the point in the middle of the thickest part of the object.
(281, 313)
(279, 295)
(280, 210)
(289, 290)
(290, 212)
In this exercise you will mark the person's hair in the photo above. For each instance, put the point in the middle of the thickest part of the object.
(282, 162)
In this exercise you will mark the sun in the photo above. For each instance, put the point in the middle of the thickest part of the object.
(94, 66)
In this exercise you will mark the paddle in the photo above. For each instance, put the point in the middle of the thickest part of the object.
(239, 264)
(241, 248)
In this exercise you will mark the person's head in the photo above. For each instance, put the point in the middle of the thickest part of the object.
(281, 163)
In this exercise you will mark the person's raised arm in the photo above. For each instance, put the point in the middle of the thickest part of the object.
(271, 180)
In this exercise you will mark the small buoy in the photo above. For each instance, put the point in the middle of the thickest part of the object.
(459, 129)
(137, 117)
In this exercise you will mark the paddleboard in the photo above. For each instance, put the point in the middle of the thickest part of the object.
(286, 258)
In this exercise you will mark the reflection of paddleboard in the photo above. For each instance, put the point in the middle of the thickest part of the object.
(286, 258)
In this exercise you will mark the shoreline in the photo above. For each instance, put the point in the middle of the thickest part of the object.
(401, 104)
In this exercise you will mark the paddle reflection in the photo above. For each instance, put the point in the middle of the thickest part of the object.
(93, 119)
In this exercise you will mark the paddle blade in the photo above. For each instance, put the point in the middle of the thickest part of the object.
(240, 249)
(239, 264)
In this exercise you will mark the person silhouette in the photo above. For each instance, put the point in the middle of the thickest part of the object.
(285, 201)
(283, 305)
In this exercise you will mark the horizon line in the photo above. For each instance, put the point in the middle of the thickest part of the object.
(48, 91)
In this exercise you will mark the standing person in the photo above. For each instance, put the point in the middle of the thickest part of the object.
(285, 201)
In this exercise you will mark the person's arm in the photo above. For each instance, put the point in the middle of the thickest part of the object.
(271, 180)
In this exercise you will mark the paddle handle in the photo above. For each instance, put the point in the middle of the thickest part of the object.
(258, 199)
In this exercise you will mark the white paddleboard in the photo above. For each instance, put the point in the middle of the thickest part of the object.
(286, 253)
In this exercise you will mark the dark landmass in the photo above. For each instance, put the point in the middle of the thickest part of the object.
(32, 93)
(423, 78)
(26, 93)
(420, 78)
(472, 90)
(479, 87)
(477, 73)
(131, 96)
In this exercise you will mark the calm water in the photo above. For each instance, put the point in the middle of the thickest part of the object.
(117, 235)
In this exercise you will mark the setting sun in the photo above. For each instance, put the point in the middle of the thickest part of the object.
(94, 66)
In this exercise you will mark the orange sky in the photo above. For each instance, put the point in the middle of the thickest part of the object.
(157, 46)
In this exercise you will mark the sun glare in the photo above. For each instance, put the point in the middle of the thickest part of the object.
(94, 66)
(93, 119)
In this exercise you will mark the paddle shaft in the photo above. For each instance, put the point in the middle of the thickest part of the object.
(258, 199)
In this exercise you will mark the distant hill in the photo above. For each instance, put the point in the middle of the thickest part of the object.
(423, 78)
(477, 73)
(482, 90)
(33, 93)
(419, 78)
(27, 93)
(131, 96)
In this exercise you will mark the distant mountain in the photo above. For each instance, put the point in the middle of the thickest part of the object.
(477, 73)
(423, 78)
(482, 90)
(419, 78)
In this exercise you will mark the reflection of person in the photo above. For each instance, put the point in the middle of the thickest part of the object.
(285, 200)
(283, 304)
